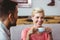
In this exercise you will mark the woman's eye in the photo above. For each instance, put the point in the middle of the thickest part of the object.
(37, 17)
(42, 17)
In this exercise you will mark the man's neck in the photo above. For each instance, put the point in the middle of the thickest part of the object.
(6, 23)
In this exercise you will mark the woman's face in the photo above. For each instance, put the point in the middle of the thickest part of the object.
(38, 19)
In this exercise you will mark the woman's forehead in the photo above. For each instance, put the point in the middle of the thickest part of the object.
(38, 14)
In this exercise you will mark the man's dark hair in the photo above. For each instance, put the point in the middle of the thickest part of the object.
(6, 7)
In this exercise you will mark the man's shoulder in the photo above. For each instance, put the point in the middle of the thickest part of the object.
(1, 29)
(2, 32)
(2, 35)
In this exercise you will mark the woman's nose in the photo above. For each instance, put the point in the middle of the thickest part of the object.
(39, 19)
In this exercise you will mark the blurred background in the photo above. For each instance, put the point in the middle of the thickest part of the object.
(52, 16)
(25, 7)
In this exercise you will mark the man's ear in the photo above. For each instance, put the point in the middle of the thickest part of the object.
(10, 16)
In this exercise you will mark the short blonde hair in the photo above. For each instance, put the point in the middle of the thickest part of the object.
(37, 10)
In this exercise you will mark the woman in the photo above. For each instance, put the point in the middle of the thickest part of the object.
(37, 32)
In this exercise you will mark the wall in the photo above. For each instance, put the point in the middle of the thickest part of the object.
(49, 10)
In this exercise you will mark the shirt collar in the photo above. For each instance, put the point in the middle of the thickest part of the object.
(4, 28)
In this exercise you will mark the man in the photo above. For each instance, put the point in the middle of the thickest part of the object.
(8, 18)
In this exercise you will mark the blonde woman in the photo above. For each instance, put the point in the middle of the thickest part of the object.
(37, 31)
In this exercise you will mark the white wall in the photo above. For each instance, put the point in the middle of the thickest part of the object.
(49, 10)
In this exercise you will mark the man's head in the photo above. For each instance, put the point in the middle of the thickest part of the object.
(9, 12)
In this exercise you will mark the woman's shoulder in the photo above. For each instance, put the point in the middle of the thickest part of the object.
(26, 30)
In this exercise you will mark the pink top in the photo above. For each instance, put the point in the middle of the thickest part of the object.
(44, 35)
